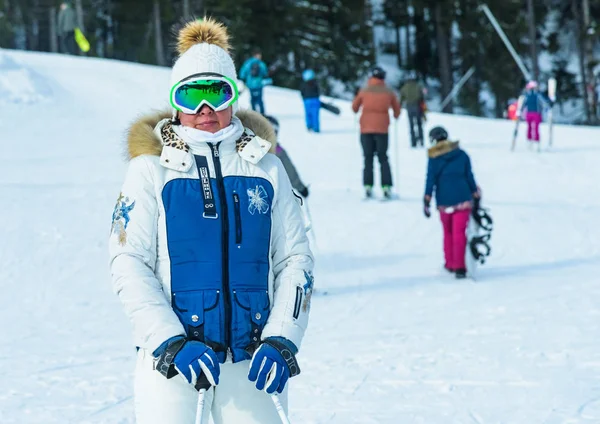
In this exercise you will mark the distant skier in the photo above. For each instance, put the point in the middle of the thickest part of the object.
(291, 170)
(67, 22)
(375, 100)
(310, 95)
(533, 103)
(411, 97)
(449, 174)
(512, 110)
(254, 72)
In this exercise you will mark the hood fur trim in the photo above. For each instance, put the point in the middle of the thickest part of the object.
(442, 148)
(207, 31)
(142, 140)
(259, 125)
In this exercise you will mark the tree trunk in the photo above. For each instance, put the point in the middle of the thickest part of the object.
(19, 29)
(79, 11)
(398, 46)
(589, 60)
(53, 36)
(186, 10)
(581, 51)
(443, 48)
(34, 40)
(533, 39)
(407, 50)
(368, 16)
(110, 37)
(158, 41)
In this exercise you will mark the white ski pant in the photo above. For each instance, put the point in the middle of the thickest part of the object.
(234, 401)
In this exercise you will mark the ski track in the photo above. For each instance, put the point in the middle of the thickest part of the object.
(392, 337)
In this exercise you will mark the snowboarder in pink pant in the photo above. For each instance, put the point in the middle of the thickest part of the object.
(449, 174)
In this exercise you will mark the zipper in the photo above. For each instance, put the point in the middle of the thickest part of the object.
(224, 239)
(298, 303)
(238, 218)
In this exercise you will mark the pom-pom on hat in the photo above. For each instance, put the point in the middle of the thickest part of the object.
(203, 46)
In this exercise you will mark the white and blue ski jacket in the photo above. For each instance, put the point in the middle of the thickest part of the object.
(209, 242)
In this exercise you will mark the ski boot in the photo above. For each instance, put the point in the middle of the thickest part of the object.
(368, 192)
(461, 273)
(387, 192)
(448, 269)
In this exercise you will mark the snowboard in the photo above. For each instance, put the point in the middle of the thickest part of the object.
(329, 107)
(479, 233)
(82, 42)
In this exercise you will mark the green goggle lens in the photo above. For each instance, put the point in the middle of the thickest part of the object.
(189, 96)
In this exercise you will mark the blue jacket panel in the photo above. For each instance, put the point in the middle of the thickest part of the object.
(249, 209)
(449, 174)
(197, 247)
(253, 81)
(534, 101)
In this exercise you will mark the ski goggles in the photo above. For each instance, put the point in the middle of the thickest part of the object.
(216, 91)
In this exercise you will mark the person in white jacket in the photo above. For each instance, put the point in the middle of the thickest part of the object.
(208, 251)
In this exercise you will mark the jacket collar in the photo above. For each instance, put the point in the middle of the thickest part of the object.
(375, 81)
(145, 137)
(177, 155)
(442, 148)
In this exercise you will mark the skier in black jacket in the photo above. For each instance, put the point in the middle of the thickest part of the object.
(312, 105)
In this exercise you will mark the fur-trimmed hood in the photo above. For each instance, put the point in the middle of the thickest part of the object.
(441, 148)
(142, 140)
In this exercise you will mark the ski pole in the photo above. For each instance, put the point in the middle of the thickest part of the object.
(201, 385)
(397, 154)
(284, 419)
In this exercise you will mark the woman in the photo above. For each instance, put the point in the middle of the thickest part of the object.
(209, 254)
(456, 193)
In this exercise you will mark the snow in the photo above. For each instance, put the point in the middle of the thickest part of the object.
(391, 338)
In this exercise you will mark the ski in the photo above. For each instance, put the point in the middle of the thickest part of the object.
(552, 98)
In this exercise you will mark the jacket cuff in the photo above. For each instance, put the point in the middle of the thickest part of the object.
(284, 347)
(164, 363)
(282, 340)
(164, 345)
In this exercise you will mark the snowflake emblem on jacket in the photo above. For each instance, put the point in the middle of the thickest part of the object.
(257, 198)
(120, 218)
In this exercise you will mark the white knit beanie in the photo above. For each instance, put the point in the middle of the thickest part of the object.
(203, 46)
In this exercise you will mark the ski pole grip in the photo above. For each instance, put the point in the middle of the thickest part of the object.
(202, 383)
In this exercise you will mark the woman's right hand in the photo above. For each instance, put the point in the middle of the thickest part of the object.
(195, 358)
(188, 358)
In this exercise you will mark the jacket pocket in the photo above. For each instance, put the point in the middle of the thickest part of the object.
(298, 302)
(238, 218)
(200, 314)
(250, 311)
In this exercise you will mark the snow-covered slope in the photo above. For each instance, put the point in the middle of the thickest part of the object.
(392, 338)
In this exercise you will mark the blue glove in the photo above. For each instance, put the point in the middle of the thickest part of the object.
(188, 358)
(273, 363)
(194, 358)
